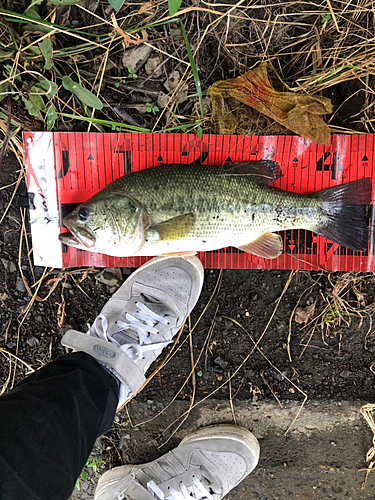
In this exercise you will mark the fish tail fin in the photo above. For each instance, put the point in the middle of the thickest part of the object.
(347, 213)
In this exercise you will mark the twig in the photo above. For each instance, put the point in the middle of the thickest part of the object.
(231, 399)
(2, 350)
(7, 132)
(270, 388)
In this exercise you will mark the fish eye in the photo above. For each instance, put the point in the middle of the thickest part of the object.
(132, 207)
(83, 213)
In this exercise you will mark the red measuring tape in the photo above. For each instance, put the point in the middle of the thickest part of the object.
(65, 169)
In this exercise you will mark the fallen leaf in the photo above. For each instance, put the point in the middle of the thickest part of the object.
(299, 113)
(303, 314)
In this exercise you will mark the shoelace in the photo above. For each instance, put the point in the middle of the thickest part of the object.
(194, 492)
(143, 321)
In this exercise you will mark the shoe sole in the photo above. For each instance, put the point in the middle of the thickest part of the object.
(225, 431)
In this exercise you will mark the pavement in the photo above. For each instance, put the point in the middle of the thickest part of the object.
(318, 458)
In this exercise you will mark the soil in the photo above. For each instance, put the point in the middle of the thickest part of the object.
(232, 312)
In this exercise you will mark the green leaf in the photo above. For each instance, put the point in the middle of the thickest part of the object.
(33, 8)
(34, 50)
(31, 12)
(47, 86)
(30, 106)
(78, 485)
(84, 475)
(37, 28)
(116, 4)
(51, 117)
(200, 373)
(173, 6)
(47, 51)
(37, 99)
(83, 94)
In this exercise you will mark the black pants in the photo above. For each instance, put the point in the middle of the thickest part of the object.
(48, 426)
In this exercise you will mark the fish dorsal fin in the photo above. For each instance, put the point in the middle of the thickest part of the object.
(173, 229)
(267, 171)
(269, 246)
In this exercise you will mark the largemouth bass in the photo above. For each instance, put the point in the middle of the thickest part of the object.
(182, 209)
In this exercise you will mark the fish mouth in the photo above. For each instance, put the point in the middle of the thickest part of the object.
(78, 238)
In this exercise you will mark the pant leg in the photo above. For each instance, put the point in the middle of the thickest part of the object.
(48, 426)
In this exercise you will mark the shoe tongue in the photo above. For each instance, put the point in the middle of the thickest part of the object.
(156, 306)
(122, 338)
(158, 296)
(130, 336)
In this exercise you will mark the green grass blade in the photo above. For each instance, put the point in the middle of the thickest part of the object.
(179, 127)
(21, 18)
(106, 123)
(193, 69)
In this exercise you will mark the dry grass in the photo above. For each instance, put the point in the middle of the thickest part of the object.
(344, 301)
(313, 47)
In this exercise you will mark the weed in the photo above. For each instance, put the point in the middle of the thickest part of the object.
(117, 84)
(92, 463)
(325, 17)
(131, 73)
(151, 109)
(334, 314)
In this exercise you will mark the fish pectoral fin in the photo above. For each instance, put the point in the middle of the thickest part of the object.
(174, 229)
(269, 246)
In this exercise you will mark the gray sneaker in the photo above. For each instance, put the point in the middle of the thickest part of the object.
(140, 319)
(206, 465)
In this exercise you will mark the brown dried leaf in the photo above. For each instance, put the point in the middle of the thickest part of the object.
(303, 314)
(299, 113)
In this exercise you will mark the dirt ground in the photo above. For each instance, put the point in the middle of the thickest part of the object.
(333, 363)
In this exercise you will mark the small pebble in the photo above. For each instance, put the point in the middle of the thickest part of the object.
(219, 361)
(20, 286)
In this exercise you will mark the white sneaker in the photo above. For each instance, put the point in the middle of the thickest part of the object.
(140, 319)
(206, 465)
